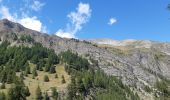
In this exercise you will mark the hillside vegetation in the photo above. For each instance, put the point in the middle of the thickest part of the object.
(35, 73)
(142, 66)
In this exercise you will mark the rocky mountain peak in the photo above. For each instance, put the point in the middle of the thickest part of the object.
(5, 24)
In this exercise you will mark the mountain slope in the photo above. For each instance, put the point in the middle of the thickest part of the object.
(135, 64)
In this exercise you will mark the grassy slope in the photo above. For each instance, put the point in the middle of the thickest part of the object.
(45, 86)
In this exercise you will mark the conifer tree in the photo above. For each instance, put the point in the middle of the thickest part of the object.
(27, 70)
(63, 79)
(56, 75)
(47, 67)
(22, 76)
(46, 79)
(27, 92)
(3, 86)
(34, 73)
(52, 70)
(38, 93)
(18, 92)
(54, 93)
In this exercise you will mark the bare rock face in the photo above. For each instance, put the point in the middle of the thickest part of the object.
(136, 66)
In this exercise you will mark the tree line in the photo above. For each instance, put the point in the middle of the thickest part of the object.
(95, 84)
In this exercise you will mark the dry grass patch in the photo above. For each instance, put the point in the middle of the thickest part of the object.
(45, 86)
(39, 80)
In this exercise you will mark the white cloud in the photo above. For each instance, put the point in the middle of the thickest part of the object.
(31, 22)
(77, 19)
(4, 11)
(37, 5)
(112, 21)
(64, 34)
(84, 9)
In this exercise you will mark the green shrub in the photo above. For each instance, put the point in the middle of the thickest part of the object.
(46, 79)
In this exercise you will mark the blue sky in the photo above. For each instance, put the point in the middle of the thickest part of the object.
(89, 19)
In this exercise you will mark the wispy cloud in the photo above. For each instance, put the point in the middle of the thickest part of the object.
(4, 11)
(112, 21)
(23, 17)
(37, 5)
(76, 20)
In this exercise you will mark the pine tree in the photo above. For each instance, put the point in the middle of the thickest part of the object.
(52, 70)
(80, 85)
(34, 73)
(56, 75)
(54, 93)
(46, 79)
(17, 68)
(10, 94)
(10, 76)
(3, 75)
(39, 66)
(47, 67)
(72, 89)
(22, 76)
(17, 92)
(27, 70)
(63, 79)
(3, 86)
(9, 79)
(34, 59)
(38, 93)
(27, 92)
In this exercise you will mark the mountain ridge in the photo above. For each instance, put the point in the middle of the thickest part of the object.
(136, 67)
